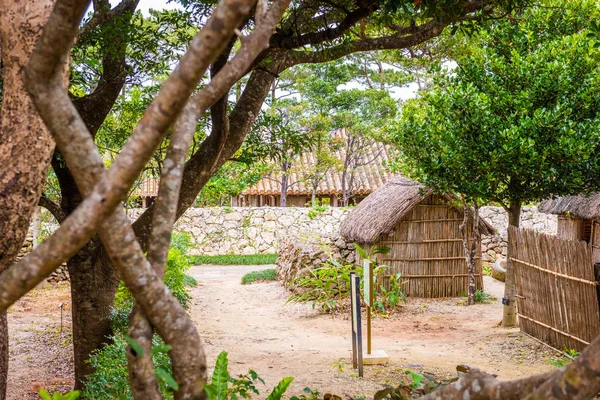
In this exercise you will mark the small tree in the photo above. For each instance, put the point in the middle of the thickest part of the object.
(517, 121)
(363, 114)
(284, 140)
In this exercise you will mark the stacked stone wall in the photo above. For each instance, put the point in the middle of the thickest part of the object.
(259, 230)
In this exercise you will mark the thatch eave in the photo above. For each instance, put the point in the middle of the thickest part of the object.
(586, 207)
(379, 213)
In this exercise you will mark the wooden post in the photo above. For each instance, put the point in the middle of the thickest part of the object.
(357, 357)
(369, 292)
(352, 319)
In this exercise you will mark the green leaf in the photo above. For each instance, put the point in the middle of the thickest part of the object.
(167, 378)
(72, 395)
(44, 395)
(280, 389)
(135, 346)
(221, 376)
(362, 252)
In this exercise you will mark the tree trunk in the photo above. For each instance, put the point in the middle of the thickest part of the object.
(313, 199)
(509, 318)
(25, 145)
(94, 283)
(284, 184)
(470, 248)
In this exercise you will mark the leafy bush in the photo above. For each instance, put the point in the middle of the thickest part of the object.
(234, 259)
(110, 379)
(329, 286)
(44, 395)
(181, 241)
(256, 276)
(175, 279)
(223, 386)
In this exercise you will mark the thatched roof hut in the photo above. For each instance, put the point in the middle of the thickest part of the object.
(380, 212)
(578, 219)
(422, 230)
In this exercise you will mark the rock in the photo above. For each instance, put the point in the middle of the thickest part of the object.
(499, 269)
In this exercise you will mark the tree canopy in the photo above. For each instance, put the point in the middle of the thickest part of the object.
(518, 119)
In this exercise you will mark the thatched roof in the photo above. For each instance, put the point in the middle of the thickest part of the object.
(586, 207)
(380, 212)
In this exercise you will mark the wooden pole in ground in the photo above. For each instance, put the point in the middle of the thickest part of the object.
(369, 291)
(359, 350)
(353, 321)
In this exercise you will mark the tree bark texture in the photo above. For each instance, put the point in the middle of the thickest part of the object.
(470, 248)
(25, 145)
(163, 310)
(93, 287)
(509, 318)
(579, 380)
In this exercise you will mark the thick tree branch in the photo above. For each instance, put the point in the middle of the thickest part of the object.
(325, 34)
(77, 147)
(580, 380)
(220, 146)
(102, 15)
(53, 208)
(420, 34)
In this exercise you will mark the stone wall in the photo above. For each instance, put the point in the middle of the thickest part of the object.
(231, 230)
(494, 247)
(59, 275)
(227, 230)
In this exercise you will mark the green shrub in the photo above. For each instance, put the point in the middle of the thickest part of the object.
(175, 279)
(223, 386)
(329, 286)
(110, 379)
(263, 275)
(234, 259)
(181, 241)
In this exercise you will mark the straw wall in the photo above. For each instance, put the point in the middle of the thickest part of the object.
(557, 293)
(427, 249)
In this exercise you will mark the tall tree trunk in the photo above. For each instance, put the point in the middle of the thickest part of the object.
(25, 145)
(345, 197)
(315, 185)
(93, 286)
(94, 283)
(470, 248)
(509, 318)
(284, 184)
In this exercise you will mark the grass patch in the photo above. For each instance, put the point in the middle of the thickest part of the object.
(234, 259)
(259, 276)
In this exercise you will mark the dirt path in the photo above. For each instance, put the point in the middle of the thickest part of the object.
(259, 332)
(41, 356)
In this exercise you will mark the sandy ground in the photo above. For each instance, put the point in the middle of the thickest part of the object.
(41, 356)
(259, 332)
(252, 323)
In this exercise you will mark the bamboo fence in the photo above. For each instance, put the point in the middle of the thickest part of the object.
(427, 250)
(556, 289)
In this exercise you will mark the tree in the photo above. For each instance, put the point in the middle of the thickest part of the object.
(517, 121)
(25, 145)
(44, 82)
(109, 49)
(284, 140)
(361, 114)
(103, 190)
